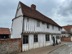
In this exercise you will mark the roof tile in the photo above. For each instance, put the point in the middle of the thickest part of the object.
(4, 31)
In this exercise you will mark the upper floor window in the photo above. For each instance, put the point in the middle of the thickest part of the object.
(27, 19)
(47, 25)
(35, 38)
(59, 29)
(38, 23)
(47, 37)
(52, 26)
(43, 23)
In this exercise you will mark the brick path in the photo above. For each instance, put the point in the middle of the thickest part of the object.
(43, 50)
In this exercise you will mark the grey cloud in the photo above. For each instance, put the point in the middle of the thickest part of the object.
(49, 8)
(66, 8)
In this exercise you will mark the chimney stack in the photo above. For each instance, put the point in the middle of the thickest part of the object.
(33, 7)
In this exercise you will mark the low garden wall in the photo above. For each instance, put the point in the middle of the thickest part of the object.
(10, 46)
(66, 39)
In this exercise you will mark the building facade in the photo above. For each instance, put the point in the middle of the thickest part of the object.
(67, 31)
(35, 29)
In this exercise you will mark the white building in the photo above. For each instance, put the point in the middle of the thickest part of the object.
(67, 31)
(35, 29)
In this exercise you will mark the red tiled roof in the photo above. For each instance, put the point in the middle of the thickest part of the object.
(29, 12)
(67, 28)
(4, 31)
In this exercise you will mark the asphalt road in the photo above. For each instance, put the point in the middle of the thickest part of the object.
(67, 49)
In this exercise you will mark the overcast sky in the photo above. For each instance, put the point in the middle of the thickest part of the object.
(58, 10)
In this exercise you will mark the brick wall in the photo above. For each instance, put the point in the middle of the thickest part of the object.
(66, 39)
(10, 46)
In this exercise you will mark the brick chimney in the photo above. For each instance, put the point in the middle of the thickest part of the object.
(33, 7)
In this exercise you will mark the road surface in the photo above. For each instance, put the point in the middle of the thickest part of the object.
(67, 49)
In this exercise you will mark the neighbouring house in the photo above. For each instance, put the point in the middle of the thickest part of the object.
(67, 31)
(4, 33)
(35, 29)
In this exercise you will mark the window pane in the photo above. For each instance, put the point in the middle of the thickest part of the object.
(27, 19)
(52, 26)
(47, 37)
(35, 38)
(25, 39)
(47, 25)
(57, 37)
(38, 23)
(59, 29)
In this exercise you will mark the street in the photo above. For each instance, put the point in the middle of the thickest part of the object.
(67, 49)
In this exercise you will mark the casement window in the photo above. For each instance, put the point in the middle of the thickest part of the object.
(38, 23)
(25, 39)
(27, 19)
(35, 38)
(47, 37)
(52, 26)
(63, 32)
(57, 37)
(47, 25)
(43, 23)
(59, 29)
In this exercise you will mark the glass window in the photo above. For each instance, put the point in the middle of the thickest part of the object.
(43, 23)
(57, 37)
(38, 23)
(25, 39)
(35, 38)
(52, 26)
(47, 37)
(27, 19)
(59, 29)
(47, 25)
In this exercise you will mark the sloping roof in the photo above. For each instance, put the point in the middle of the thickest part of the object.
(67, 28)
(29, 12)
(4, 31)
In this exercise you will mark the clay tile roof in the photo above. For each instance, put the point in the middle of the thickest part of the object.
(29, 12)
(67, 28)
(4, 31)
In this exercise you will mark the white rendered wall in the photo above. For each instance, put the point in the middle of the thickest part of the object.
(17, 28)
(18, 11)
(31, 26)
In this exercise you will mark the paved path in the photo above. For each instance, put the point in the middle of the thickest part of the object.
(67, 49)
(43, 50)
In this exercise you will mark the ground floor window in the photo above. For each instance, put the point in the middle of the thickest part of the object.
(57, 37)
(47, 37)
(25, 39)
(35, 38)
